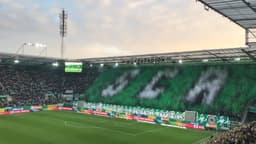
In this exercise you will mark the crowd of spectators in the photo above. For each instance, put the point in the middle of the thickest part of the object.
(245, 134)
(37, 85)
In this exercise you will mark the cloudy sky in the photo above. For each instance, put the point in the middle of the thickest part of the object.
(98, 28)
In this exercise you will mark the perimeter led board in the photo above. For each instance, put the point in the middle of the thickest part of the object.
(73, 67)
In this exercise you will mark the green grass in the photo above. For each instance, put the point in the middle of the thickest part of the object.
(59, 127)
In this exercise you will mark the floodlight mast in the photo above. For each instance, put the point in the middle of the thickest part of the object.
(41, 46)
(63, 29)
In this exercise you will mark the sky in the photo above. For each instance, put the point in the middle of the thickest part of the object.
(102, 28)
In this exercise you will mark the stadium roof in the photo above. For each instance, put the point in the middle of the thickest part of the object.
(241, 12)
(189, 56)
(227, 55)
(29, 59)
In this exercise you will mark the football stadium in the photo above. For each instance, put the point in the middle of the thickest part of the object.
(188, 97)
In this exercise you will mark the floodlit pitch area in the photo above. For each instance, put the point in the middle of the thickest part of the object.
(59, 127)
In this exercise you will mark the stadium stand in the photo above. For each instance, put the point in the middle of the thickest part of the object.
(220, 89)
(245, 134)
(37, 85)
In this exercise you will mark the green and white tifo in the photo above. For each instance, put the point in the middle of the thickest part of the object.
(61, 127)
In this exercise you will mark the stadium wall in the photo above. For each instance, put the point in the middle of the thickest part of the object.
(28, 109)
(156, 116)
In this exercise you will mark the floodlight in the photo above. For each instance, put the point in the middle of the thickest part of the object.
(205, 60)
(55, 64)
(116, 64)
(237, 59)
(16, 61)
(29, 44)
(37, 45)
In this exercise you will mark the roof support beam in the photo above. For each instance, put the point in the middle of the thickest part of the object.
(250, 37)
(217, 56)
(253, 34)
(246, 19)
(185, 57)
(248, 53)
(249, 5)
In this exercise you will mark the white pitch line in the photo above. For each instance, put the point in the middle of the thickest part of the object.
(118, 131)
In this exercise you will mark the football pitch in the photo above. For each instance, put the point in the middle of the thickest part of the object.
(59, 127)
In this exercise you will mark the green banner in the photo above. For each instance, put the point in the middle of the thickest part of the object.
(3, 96)
(252, 109)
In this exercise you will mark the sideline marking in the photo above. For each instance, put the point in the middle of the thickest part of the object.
(68, 124)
